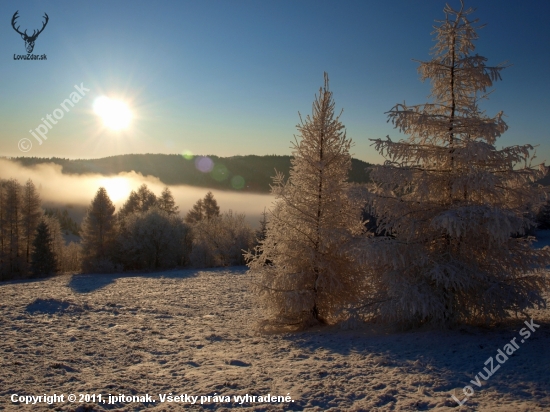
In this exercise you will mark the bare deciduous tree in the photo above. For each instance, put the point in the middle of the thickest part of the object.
(154, 239)
(220, 241)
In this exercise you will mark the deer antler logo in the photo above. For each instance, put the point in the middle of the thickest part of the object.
(29, 40)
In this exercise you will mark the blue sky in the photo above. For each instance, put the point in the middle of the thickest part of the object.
(229, 77)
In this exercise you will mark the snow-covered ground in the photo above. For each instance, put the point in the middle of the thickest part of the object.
(194, 332)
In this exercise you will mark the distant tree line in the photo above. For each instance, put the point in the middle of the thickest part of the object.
(256, 171)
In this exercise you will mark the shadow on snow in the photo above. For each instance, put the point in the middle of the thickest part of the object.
(86, 283)
(451, 358)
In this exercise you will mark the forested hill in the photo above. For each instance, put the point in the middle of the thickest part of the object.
(226, 173)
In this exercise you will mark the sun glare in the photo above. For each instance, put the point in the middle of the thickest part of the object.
(117, 187)
(115, 114)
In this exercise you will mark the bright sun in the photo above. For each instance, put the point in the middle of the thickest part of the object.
(117, 187)
(115, 114)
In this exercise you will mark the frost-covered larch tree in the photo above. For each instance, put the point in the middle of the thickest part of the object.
(31, 212)
(98, 234)
(166, 202)
(57, 240)
(140, 201)
(307, 269)
(12, 227)
(206, 208)
(211, 208)
(452, 202)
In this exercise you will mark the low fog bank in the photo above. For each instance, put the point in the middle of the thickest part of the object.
(75, 192)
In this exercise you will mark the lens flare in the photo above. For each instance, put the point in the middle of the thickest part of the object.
(204, 164)
(187, 155)
(219, 173)
(237, 182)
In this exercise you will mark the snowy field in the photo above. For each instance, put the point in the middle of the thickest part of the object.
(194, 332)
